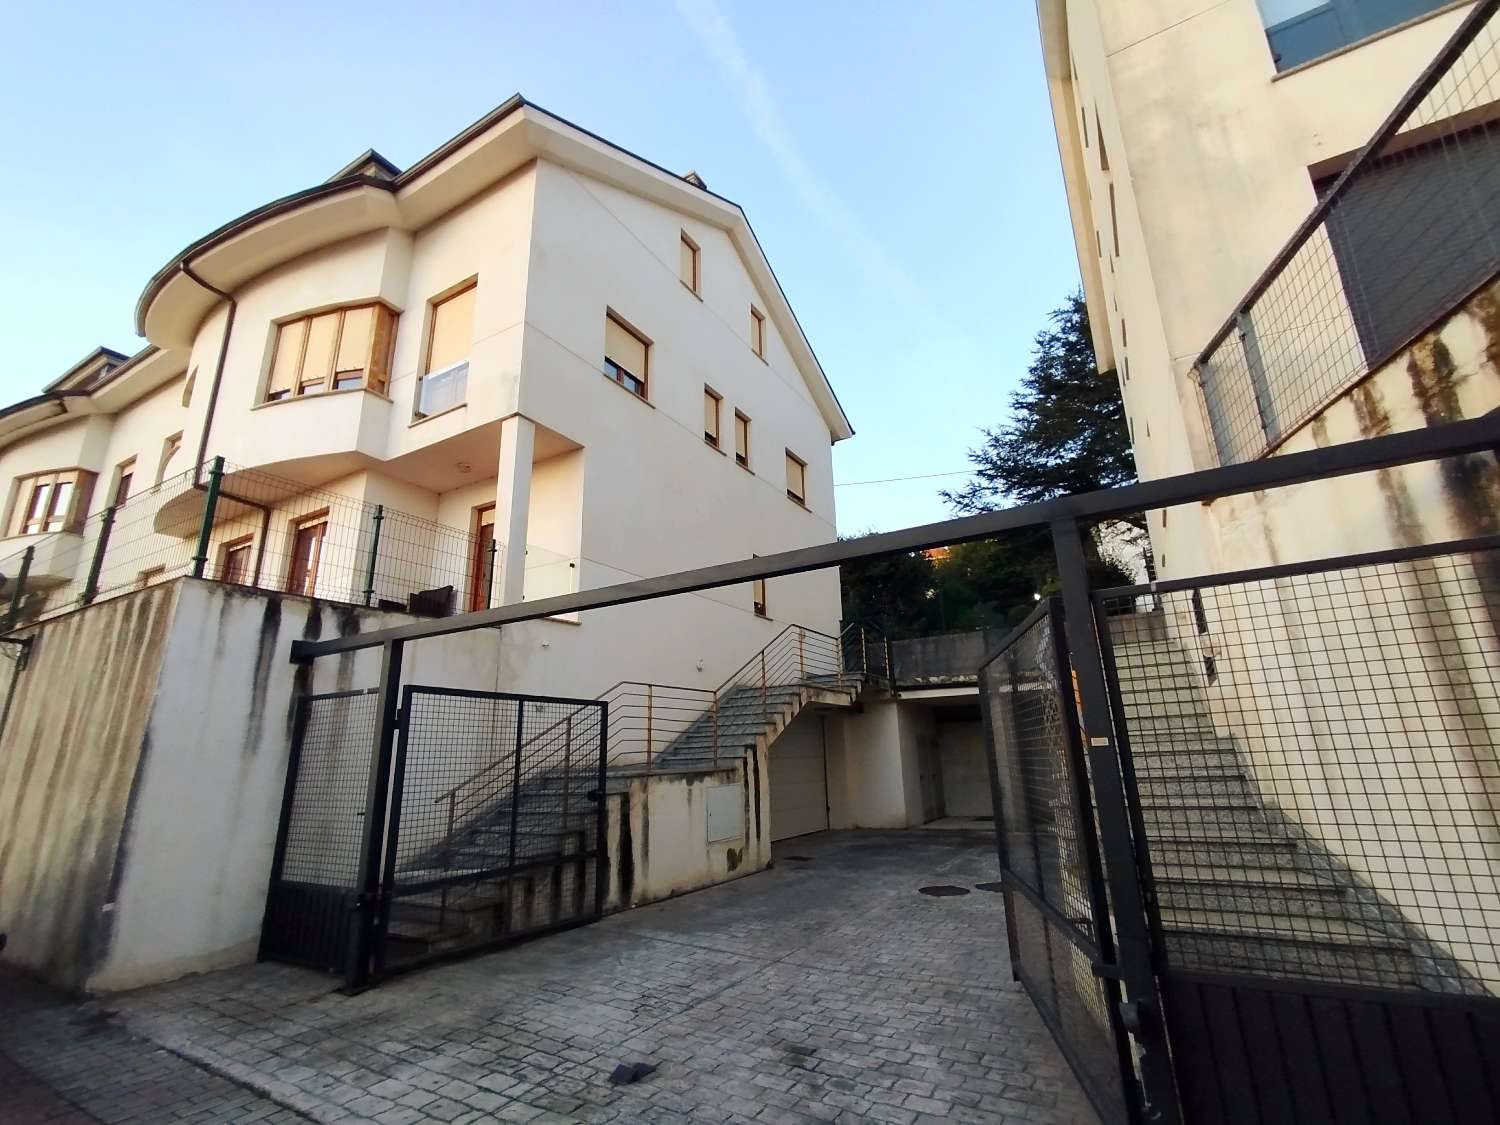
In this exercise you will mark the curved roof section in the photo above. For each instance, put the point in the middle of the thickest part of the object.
(183, 291)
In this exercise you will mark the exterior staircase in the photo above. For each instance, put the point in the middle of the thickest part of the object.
(653, 728)
(1238, 883)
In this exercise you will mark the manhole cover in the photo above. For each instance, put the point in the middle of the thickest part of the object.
(995, 887)
(943, 891)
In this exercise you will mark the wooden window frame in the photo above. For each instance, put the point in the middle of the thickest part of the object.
(742, 458)
(374, 377)
(124, 478)
(714, 439)
(227, 548)
(758, 597)
(309, 584)
(622, 376)
(757, 332)
(80, 484)
(793, 496)
(695, 286)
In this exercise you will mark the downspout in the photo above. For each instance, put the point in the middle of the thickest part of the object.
(208, 417)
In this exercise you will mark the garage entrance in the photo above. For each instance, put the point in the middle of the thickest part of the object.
(799, 779)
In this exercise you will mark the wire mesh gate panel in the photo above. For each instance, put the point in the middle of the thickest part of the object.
(313, 898)
(1313, 753)
(496, 824)
(1057, 914)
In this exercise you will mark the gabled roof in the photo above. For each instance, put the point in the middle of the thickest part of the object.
(370, 194)
(92, 369)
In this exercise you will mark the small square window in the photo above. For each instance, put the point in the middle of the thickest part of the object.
(741, 440)
(757, 332)
(626, 355)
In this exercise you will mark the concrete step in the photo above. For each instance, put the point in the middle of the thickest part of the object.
(1205, 821)
(1298, 907)
(1195, 789)
(1178, 706)
(1357, 955)
(1219, 871)
(1205, 758)
(1215, 846)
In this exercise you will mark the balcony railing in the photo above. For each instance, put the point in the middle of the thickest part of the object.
(1406, 234)
(250, 528)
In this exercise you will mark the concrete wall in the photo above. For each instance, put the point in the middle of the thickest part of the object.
(657, 834)
(146, 812)
(70, 760)
(966, 777)
(883, 766)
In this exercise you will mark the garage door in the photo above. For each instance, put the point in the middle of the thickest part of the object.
(799, 789)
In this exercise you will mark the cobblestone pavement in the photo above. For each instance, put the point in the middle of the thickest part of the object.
(62, 1063)
(826, 989)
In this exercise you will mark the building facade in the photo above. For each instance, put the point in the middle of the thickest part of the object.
(531, 338)
(1194, 140)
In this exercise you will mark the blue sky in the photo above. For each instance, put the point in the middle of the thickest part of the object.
(896, 160)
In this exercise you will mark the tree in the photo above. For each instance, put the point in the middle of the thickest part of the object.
(895, 593)
(1067, 430)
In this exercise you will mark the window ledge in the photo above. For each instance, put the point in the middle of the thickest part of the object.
(626, 390)
(690, 289)
(1394, 29)
(420, 418)
(747, 468)
(717, 449)
(324, 394)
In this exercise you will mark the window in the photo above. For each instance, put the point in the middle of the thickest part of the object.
(1103, 152)
(169, 449)
(187, 387)
(124, 474)
(50, 502)
(337, 350)
(1300, 30)
(234, 560)
(625, 355)
(1083, 119)
(1114, 224)
(307, 552)
(482, 566)
(758, 597)
(757, 332)
(711, 403)
(689, 262)
(450, 339)
(1411, 236)
(741, 440)
(796, 477)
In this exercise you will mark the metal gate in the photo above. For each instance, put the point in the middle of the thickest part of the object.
(458, 821)
(1057, 918)
(1299, 788)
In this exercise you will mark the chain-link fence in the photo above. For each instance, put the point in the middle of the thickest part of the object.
(251, 528)
(1404, 235)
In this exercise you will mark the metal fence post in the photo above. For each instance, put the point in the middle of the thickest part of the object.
(91, 586)
(765, 708)
(377, 796)
(489, 577)
(20, 589)
(515, 787)
(715, 708)
(210, 506)
(374, 553)
(649, 738)
(1141, 1012)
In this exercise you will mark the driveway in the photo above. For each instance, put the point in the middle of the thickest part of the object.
(826, 989)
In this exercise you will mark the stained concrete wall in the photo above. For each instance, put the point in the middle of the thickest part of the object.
(883, 767)
(146, 754)
(657, 833)
(70, 755)
(966, 776)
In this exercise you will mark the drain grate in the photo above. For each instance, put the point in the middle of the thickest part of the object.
(943, 890)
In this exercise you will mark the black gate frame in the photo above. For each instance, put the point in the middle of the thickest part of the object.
(1101, 950)
(390, 889)
(344, 929)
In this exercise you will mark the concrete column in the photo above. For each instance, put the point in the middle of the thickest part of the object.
(513, 503)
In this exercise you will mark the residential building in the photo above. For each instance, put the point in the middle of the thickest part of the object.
(1195, 138)
(530, 363)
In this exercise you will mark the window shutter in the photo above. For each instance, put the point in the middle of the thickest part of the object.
(289, 338)
(688, 267)
(624, 347)
(757, 332)
(452, 330)
(354, 340)
(710, 415)
(796, 477)
(317, 358)
(742, 437)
